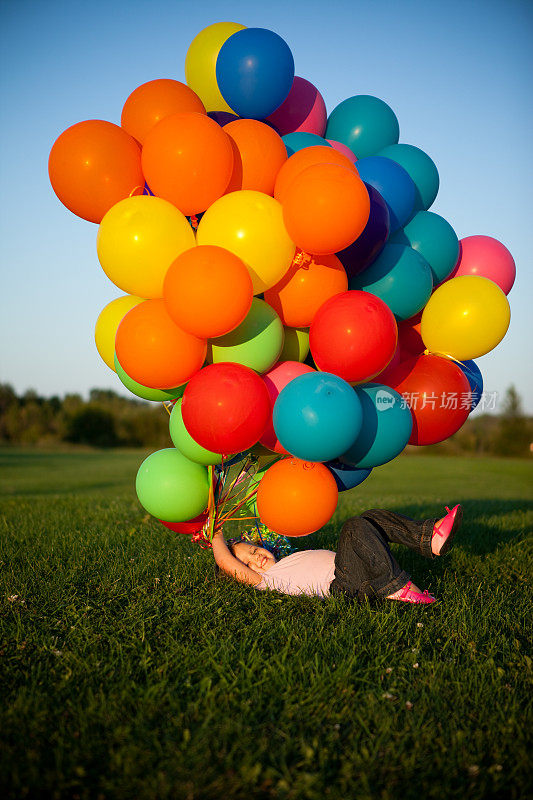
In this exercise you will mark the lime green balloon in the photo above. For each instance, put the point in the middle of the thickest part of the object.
(183, 440)
(296, 344)
(256, 343)
(145, 392)
(172, 488)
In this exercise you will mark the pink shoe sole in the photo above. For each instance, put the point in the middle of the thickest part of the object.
(448, 527)
(407, 595)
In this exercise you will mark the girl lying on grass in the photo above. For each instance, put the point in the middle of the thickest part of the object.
(363, 565)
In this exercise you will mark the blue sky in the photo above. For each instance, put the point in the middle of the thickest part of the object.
(457, 74)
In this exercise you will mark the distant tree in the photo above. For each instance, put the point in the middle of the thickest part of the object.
(513, 434)
(92, 425)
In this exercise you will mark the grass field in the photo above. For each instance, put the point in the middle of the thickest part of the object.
(128, 670)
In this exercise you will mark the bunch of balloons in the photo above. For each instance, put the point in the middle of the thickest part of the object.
(286, 287)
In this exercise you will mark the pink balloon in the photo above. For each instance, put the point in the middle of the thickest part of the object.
(303, 110)
(276, 380)
(488, 258)
(343, 149)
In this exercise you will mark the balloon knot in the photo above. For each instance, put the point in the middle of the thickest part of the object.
(194, 221)
(301, 259)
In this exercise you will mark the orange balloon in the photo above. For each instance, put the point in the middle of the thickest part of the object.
(325, 208)
(308, 157)
(208, 291)
(153, 351)
(309, 282)
(188, 160)
(93, 165)
(296, 497)
(155, 100)
(258, 152)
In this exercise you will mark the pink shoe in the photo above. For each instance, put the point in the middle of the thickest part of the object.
(407, 595)
(448, 528)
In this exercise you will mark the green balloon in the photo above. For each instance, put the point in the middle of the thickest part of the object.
(421, 169)
(146, 392)
(183, 440)
(435, 239)
(255, 343)
(296, 344)
(172, 488)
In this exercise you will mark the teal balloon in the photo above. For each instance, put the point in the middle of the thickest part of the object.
(435, 239)
(399, 276)
(420, 167)
(363, 123)
(171, 487)
(386, 428)
(189, 447)
(301, 139)
(158, 395)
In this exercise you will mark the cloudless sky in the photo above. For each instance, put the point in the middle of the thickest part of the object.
(457, 74)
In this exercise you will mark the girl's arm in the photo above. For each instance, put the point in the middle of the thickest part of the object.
(231, 565)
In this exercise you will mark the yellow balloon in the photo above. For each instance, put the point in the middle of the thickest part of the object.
(296, 344)
(201, 60)
(107, 323)
(138, 239)
(250, 224)
(465, 317)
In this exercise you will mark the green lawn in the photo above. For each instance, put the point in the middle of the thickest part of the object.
(128, 670)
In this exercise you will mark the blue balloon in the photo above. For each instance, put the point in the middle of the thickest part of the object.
(435, 239)
(393, 183)
(421, 169)
(317, 416)
(254, 71)
(386, 428)
(346, 476)
(363, 123)
(400, 277)
(300, 140)
(475, 379)
(370, 243)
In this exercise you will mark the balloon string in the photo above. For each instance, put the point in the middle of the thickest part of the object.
(442, 355)
(136, 190)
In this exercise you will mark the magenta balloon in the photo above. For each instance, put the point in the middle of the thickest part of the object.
(303, 110)
(342, 148)
(488, 258)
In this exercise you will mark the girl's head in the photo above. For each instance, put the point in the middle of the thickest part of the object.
(253, 555)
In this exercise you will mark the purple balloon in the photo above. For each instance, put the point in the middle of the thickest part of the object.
(222, 117)
(371, 242)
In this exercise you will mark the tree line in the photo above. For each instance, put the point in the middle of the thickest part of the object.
(107, 419)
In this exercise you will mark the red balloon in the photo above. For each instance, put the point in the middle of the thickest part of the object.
(436, 391)
(409, 338)
(226, 407)
(354, 336)
(191, 526)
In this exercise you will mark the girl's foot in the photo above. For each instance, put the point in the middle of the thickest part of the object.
(445, 529)
(412, 594)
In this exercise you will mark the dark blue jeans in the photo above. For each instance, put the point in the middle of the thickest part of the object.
(364, 564)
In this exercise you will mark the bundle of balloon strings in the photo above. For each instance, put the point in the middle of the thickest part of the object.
(232, 497)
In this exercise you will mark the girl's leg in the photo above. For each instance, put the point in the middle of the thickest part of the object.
(364, 564)
(402, 530)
